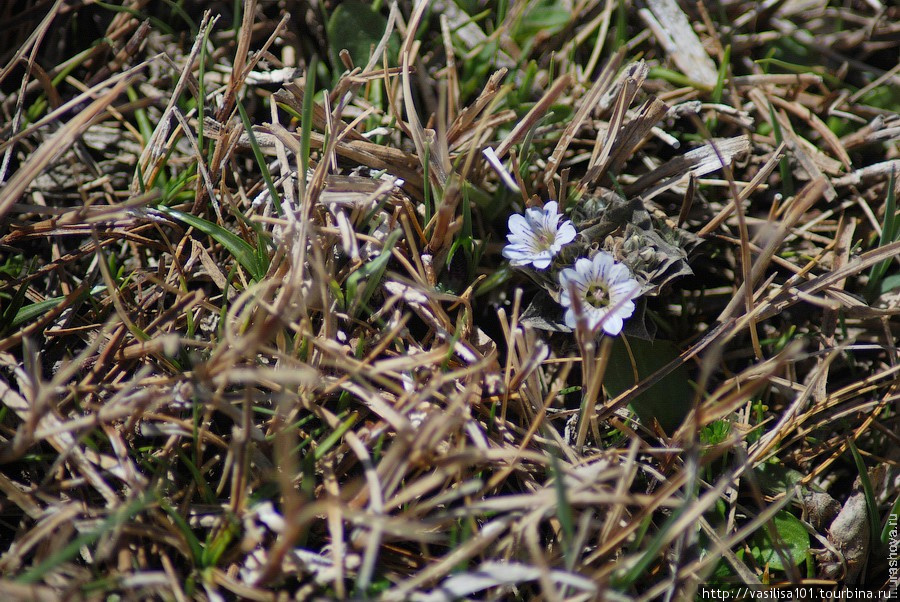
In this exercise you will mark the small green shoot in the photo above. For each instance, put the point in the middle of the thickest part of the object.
(370, 274)
(260, 159)
(243, 252)
(868, 491)
(890, 232)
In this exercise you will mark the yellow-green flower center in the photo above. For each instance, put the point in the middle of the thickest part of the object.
(544, 240)
(597, 294)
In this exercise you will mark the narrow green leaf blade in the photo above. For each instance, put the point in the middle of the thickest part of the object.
(242, 251)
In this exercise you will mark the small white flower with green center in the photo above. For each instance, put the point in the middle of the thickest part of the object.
(605, 290)
(537, 236)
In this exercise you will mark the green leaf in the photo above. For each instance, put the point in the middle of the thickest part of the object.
(371, 273)
(638, 570)
(775, 478)
(889, 233)
(57, 557)
(545, 18)
(792, 534)
(563, 509)
(334, 437)
(14, 308)
(260, 160)
(32, 311)
(185, 529)
(242, 251)
(715, 432)
(306, 121)
(669, 400)
(890, 283)
(218, 541)
(868, 490)
(354, 26)
(723, 74)
(889, 531)
(784, 165)
(558, 113)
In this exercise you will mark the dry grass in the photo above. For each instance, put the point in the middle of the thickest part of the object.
(257, 340)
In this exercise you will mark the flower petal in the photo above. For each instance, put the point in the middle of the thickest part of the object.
(612, 325)
(603, 265)
(514, 252)
(623, 290)
(619, 273)
(517, 224)
(566, 233)
(584, 267)
(536, 236)
(603, 272)
(541, 263)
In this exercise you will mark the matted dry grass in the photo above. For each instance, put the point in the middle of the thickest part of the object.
(257, 340)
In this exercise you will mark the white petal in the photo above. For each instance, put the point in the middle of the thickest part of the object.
(516, 252)
(566, 233)
(613, 325)
(603, 263)
(570, 318)
(625, 310)
(621, 290)
(534, 216)
(522, 241)
(618, 273)
(595, 317)
(542, 264)
(584, 267)
(518, 224)
(550, 208)
(521, 259)
(568, 275)
(572, 278)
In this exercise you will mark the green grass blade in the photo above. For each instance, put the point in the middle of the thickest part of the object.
(208, 496)
(11, 315)
(723, 73)
(651, 550)
(30, 312)
(140, 115)
(157, 22)
(335, 436)
(189, 537)
(784, 166)
(868, 490)
(260, 159)
(563, 510)
(890, 525)
(243, 252)
(218, 541)
(679, 79)
(371, 273)
(306, 122)
(74, 547)
(888, 235)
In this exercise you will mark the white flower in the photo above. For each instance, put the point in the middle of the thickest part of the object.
(605, 290)
(537, 236)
